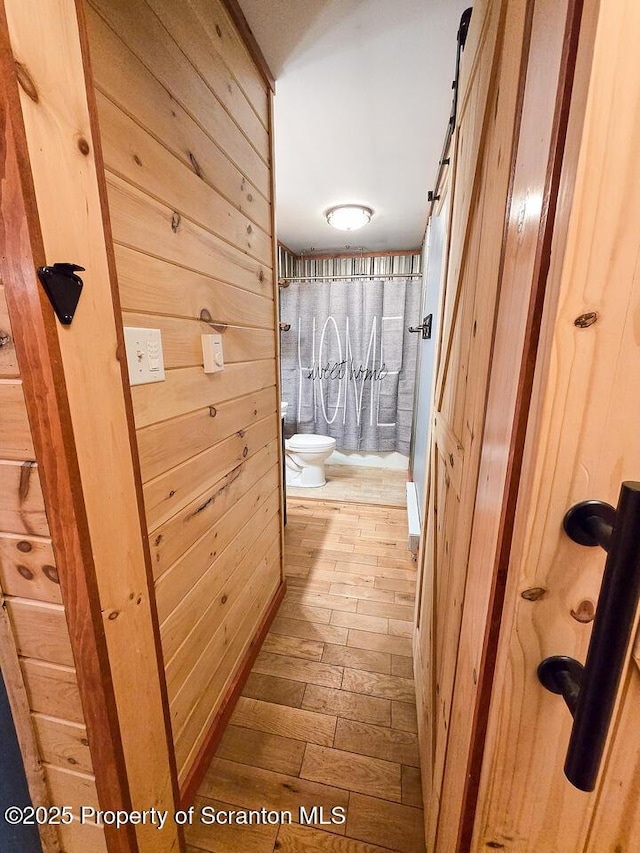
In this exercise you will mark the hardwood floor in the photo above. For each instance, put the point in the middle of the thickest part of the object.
(327, 717)
(358, 484)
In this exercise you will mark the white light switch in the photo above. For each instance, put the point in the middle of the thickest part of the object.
(212, 356)
(144, 355)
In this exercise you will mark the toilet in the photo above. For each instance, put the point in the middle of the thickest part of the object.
(305, 456)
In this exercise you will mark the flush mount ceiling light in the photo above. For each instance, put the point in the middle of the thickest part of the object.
(349, 217)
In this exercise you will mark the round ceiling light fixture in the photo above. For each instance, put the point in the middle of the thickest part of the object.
(349, 217)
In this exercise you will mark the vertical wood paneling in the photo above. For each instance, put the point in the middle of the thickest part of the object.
(185, 118)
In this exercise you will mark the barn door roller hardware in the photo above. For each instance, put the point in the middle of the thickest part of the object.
(425, 328)
(63, 287)
(590, 691)
(434, 194)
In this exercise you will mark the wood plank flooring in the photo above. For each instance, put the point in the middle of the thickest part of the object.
(327, 717)
(359, 484)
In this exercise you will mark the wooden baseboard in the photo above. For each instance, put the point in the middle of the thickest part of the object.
(207, 750)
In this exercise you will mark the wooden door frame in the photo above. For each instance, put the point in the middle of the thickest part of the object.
(107, 588)
(38, 353)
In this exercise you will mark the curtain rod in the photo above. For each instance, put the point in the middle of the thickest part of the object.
(358, 275)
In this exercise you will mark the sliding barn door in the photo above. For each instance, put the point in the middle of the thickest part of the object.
(482, 157)
(536, 409)
(582, 444)
(508, 146)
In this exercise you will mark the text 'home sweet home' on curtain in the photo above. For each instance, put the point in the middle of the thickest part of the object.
(348, 363)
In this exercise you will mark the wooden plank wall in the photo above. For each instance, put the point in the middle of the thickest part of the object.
(36, 657)
(185, 125)
(82, 417)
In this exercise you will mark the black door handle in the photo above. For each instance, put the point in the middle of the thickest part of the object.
(590, 692)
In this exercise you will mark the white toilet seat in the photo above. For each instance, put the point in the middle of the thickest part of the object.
(301, 442)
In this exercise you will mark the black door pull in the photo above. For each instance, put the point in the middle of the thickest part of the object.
(590, 691)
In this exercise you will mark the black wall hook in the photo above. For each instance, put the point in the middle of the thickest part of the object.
(63, 287)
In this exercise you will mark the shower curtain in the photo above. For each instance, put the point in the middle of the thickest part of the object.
(348, 363)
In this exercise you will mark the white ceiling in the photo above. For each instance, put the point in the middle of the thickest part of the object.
(363, 95)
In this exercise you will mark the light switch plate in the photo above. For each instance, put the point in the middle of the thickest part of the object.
(144, 355)
(212, 355)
